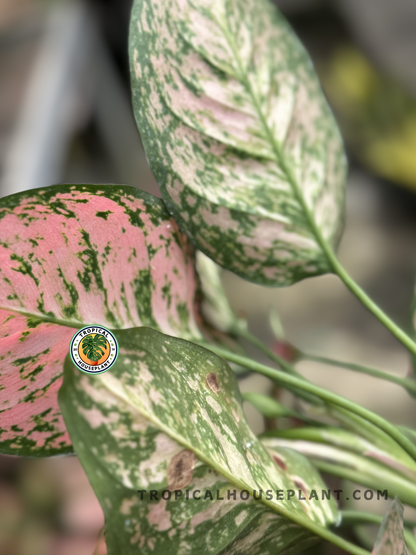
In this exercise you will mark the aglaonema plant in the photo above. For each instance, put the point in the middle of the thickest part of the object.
(252, 171)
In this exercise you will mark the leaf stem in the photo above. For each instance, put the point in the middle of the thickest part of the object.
(338, 269)
(400, 486)
(409, 385)
(409, 432)
(284, 364)
(349, 517)
(372, 432)
(245, 334)
(327, 396)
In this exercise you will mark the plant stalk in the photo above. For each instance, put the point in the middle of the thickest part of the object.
(327, 396)
(407, 384)
(362, 296)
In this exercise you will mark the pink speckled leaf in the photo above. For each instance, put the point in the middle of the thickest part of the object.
(169, 417)
(238, 134)
(73, 255)
(390, 539)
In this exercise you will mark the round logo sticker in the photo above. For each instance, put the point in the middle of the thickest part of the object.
(94, 349)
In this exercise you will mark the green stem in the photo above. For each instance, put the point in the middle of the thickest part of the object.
(363, 536)
(409, 385)
(338, 269)
(364, 428)
(402, 488)
(350, 518)
(270, 408)
(372, 432)
(327, 396)
(284, 365)
(409, 432)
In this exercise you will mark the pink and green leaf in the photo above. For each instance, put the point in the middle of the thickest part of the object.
(238, 134)
(169, 416)
(75, 255)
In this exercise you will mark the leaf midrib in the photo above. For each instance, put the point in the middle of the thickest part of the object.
(45, 319)
(304, 522)
(279, 157)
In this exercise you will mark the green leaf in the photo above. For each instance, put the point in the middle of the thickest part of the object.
(72, 256)
(168, 416)
(238, 135)
(378, 473)
(390, 539)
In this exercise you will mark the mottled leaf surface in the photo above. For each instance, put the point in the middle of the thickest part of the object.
(169, 417)
(75, 255)
(238, 134)
(390, 538)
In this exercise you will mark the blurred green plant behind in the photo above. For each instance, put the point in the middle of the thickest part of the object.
(65, 116)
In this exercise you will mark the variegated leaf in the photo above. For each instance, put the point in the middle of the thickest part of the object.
(390, 539)
(238, 134)
(370, 472)
(345, 439)
(169, 417)
(361, 428)
(74, 255)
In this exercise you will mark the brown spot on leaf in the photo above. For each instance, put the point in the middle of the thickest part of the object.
(213, 382)
(180, 470)
(279, 461)
(299, 484)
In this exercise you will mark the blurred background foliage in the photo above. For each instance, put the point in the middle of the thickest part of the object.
(65, 116)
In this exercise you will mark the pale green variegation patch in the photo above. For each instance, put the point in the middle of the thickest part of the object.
(238, 134)
(168, 416)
